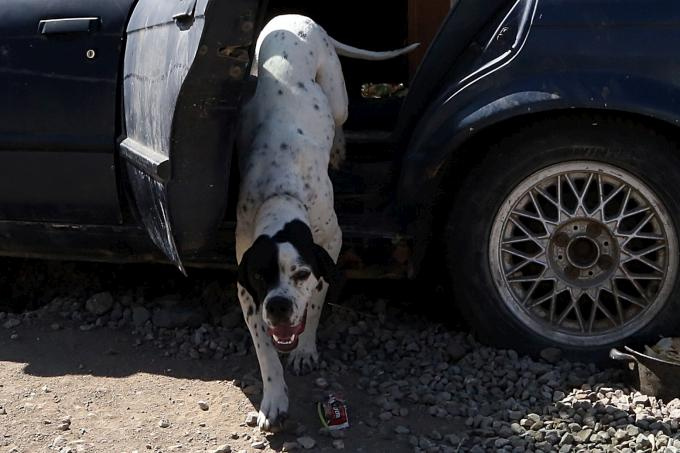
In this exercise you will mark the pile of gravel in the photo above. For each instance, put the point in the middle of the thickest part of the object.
(492, 400)
(506, 401)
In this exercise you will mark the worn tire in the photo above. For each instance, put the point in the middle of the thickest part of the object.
(632, 147)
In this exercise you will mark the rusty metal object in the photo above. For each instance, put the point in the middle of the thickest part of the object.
(652, 376)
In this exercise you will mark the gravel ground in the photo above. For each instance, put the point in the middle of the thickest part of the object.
(116, 362)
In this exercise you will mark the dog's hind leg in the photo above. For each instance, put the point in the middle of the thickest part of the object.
(274, 405)
(330, 79)
(338, 150)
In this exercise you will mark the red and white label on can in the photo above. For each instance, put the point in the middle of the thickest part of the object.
(333, 413)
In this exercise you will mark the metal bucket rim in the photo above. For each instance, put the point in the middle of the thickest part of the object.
(649, 357)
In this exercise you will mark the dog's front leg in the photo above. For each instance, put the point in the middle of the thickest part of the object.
(274, 405)
(305, 357)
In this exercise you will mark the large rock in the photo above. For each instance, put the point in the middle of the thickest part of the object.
(140, 315)
(99, 303)
(251, 419)
(456, 351)
(222, 449)
(170, 317)
(11, 323)
(306, 442)
(116, 313)
(551, 355)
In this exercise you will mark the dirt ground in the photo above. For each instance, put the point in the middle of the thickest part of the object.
(116, 389)
(116, 394)
(88, 363)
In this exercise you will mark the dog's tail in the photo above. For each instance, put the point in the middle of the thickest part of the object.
(361, 54)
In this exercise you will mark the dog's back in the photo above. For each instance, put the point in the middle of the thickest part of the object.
(289, 125)
(293, 46)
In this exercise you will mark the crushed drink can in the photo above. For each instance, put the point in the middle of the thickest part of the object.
(333, 413)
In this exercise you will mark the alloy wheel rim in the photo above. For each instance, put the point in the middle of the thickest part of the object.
(583, 253)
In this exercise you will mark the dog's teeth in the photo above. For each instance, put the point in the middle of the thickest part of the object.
(282, 341)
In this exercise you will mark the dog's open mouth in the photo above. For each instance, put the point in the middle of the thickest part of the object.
(285, 338)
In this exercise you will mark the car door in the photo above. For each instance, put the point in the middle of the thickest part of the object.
(59, 112)
(185, 72)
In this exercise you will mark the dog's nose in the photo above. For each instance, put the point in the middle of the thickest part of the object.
(279, 310)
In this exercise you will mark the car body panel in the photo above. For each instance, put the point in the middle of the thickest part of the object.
(491, 62)
(185, 69)
(451, 44)
(593, 58)
(59, 89)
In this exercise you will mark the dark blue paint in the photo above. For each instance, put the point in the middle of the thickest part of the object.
(618, 56)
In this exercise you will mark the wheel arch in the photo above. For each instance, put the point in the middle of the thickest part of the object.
(442, 185)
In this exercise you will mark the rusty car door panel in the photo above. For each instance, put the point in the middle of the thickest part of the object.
(186, 63)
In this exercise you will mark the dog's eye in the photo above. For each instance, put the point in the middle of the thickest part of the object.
(301, 275)
(258, 277)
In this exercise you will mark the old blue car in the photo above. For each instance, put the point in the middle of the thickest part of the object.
(532, 163)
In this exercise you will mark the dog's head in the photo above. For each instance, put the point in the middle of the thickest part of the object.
(281, 273)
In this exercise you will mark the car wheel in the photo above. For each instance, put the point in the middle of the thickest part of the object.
(566, 236)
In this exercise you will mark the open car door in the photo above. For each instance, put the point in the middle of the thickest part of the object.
(185, 70)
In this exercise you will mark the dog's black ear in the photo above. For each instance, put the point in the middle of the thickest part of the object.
(258, 269)
(325, 266)
(328, 270)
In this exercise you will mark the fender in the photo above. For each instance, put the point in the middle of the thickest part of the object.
(521, 72)
(440, 136)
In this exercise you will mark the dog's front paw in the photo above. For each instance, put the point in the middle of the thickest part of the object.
(303, 360)
(273, 410)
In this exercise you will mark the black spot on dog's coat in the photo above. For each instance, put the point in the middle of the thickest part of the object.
(284, 145)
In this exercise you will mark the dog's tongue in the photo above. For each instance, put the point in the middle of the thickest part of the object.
(285, 331)
(285, 338)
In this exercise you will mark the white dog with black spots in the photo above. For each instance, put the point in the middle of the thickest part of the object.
(287, 234)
